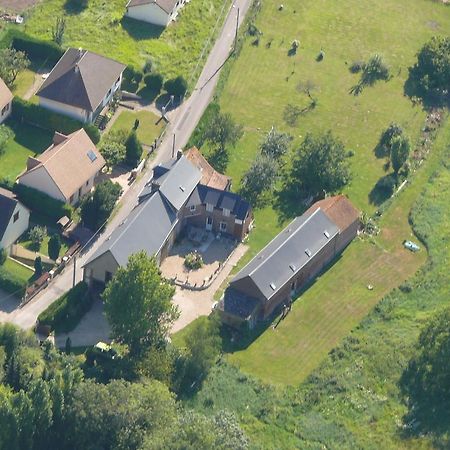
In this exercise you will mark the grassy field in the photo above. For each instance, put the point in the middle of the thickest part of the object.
(148, 129)
(19, 271)
(261, 82)
(27, 141)
(44, 246)
(353, 400)
(174, 50)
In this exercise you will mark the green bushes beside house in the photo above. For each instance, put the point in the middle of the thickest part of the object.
(11, 283)
(24, 111)
(64, 314)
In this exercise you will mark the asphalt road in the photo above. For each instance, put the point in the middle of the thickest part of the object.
(183, 121)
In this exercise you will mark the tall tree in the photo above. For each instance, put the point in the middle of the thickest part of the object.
(400, 148)
(59, 30)
(259, 179)
(138, 304)
(275, 144)
(54, 246)
(133, 149)
(320, 165)
(12, 62)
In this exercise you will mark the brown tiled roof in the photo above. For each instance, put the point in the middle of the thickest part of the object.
(339, 209)
(210, 177)
(165, 5)
(70, 162)
(5, 94)
(81, 79)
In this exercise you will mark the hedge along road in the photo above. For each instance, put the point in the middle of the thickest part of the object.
(183, 121)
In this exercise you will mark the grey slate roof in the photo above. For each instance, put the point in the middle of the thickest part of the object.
(146, 228)
(177, 184)
(165, 5)
(8, 204)
(220, 199)
(81, 79)
(238, 304)
(286, 254)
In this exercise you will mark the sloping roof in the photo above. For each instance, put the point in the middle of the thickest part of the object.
(220, 199)
(70, 161)
(210, 177)
(5, 94)
(238, 304)
(8, 204)
(287, 253)
(339, 209)
(177, 184)
(81, 79)
(165, 5)
(146, 228)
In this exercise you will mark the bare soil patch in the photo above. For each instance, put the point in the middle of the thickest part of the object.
(17, 6)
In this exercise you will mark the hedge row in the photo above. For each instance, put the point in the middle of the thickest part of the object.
(11, 283)
(42, 203)
(36, 49)
(24, 111)
(64, 314)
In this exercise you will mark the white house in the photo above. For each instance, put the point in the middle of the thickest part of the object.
(81, 84)
(67, 169)
(6, 98)
(14, 218)
(157, 12)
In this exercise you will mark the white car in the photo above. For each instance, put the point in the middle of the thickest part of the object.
(411, 246)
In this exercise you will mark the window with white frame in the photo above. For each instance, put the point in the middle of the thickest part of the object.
(225, 212)
(209, 207)
(192, 208)
(223, 227)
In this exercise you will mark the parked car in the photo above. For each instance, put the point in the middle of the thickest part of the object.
(410, 245)
(104, 350)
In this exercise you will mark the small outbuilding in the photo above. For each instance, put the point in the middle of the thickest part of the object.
(274, 277)
(6, 98)
(156, 12)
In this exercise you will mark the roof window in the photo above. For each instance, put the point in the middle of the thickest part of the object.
(272, 285)
(292, 267)
(91, 155)
(327, 235)
(308, 252)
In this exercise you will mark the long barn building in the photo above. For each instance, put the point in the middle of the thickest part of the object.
(290, 261)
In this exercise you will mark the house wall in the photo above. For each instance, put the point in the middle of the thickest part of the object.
(15, 229)
(66, 110)
(96, 270)
(347, 236)
(150, 13)
(5, 112)
(85, 188)
(198, 218)
(40, 180)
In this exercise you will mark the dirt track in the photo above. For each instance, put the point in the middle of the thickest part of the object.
(16, 6)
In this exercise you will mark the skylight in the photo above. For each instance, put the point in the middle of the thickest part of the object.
(308, 252)
(272, 285)
(182, 188)
(91, 155)
(292, 267)
(327, 235)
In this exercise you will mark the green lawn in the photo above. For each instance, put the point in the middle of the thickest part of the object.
(102, 28)
(21, 272)
(44, 246)
(27, 141)
(147, 131)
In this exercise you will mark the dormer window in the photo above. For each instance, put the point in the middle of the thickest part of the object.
(225, 212)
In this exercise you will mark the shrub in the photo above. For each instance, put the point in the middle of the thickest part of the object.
(193, 261)
(11, 283)
(154, 81)
(392, 131)
(131, 78)
(64, 314)
(54, 246)
(37, 235)
(176, 86)
(133, 150)
(148, 66)
(24, 111)
(375, 69)
(38, 266)
(3, 256)
(42, 203)
(357, 66)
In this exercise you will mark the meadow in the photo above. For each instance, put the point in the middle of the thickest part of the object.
(102, 28)
(354, 399)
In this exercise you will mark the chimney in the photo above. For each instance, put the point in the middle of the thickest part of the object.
(179, 154)
(58, 138)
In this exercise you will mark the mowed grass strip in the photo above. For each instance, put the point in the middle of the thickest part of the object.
(102, 28)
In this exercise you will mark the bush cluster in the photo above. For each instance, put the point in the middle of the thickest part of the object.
(64, 314)
(11, 283)
(34, 48)
(193, 261)
(42, 203)
(24, 111)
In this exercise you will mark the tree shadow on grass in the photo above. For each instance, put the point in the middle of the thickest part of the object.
(30, 137)
(148, 95)
(73, 8)
(141, 30)
(288, 205)
(382, 190)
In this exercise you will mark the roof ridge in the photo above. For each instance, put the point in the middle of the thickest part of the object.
(84, 84)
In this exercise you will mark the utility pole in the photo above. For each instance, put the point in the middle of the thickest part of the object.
(173, 146)
(74, 270)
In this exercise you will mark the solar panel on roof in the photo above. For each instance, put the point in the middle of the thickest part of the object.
(91, 155)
